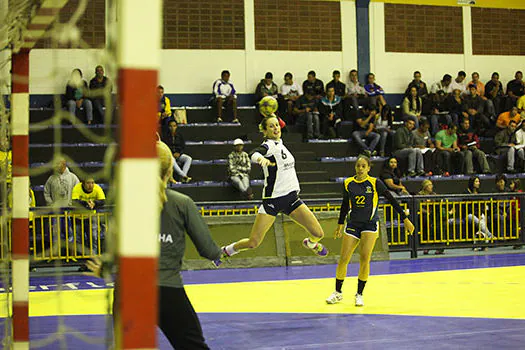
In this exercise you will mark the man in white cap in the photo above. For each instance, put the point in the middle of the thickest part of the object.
(239, 166)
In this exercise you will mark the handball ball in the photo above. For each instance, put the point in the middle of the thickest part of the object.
(268, 106)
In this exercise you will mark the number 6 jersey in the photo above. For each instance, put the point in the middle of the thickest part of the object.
(279, 179)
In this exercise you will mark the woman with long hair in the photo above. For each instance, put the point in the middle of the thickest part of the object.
(280, 194)
(391, 175)
(412, 105)
(475, 214)
(179, 216)
(361, 194)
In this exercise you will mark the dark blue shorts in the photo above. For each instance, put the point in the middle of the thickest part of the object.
(355, 229)
(285, 204)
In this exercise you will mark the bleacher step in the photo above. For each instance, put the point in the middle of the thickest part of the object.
(312, 176)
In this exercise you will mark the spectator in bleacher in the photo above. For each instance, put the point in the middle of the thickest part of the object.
(447, 112)
(442, 88)
(266, 87)
(290, 91)
(239, 167)
(331, 113)
(495, 93)
(308, 114)
(405, 148)
(515, 187)
(164, 110)
(459, 82)
(384, 127)
(427, 189)
(356, 93)
(505, 118)
(520, 136)
(469, 145)
(476, 212)
(412, 106)
(423, 141)
(224, 95)
(489, 109)
(420, 86)
(337, 84)
(473, 109)
(176, 143)
(515, 89)
(77, 92)
(374, 91)
(447, 148)
(364, 130)
(479, 85)
(505, 142)
(99, 86)
(314, 86)
(391, 176)
(58, 187)
(87, 194)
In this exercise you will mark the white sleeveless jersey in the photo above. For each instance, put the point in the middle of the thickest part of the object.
(281, 179)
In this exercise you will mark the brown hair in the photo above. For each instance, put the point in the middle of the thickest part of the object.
(264, 123)
(166, 170)
(366, 158)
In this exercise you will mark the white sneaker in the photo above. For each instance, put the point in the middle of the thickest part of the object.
(359, 300)
(334, 298)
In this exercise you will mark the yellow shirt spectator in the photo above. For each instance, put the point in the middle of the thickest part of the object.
(88, 194)
(521, 103)
(6, 164)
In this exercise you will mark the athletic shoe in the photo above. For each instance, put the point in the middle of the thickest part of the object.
(359, 300)
(318, 249)
(334, 298)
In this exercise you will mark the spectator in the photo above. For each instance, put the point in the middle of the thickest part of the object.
(337, 84)
(494, 92)
(472, 211)
(76, 93)
(505, 142)
(89, 195)
(505, 118)
(364, 130)
(356, 93)
(100, 88)
(515, 89)
(58, 187)
(308, 114)
(266, 87)
(468, 143)
(384, 127)
(412, 104)
(489, 109)
(460, 83)
(6, 169)
(164, 113)
(473, 109)
(290, 92)
(520, 136)
(314, 86)
(224, 95)
(176, 143)
(447, 145)
(420, 86)
(423, 141)
(405, 148)
(427, 189)
(239, 167)
(331, 113)
(391, 176)
(374, 92)
(515, 186)
(442, 88)
(447, 112)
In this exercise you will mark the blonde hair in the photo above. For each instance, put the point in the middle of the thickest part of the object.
(166, 170)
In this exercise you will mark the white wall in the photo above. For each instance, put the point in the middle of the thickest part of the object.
(394, 70)
(194, 71)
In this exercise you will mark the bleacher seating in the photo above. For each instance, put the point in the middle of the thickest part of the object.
(320, 164)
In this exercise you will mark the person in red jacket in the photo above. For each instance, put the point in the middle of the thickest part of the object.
(468, 143)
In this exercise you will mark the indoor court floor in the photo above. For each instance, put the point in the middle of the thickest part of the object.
(473, 302)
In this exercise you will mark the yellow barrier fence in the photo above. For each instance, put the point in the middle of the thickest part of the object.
(490, 220)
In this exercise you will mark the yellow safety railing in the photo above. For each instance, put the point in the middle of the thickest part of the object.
(488, 220)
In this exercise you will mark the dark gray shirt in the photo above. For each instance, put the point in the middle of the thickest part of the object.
(179, 217)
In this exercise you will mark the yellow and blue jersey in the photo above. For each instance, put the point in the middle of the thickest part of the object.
(362, 197)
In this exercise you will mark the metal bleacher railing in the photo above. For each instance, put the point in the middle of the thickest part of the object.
(441, 222)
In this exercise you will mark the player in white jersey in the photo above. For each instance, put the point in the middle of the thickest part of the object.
(280, 194)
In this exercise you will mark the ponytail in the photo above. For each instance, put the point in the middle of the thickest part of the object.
(166, 171)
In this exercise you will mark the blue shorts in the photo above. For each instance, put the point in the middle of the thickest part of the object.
(285, 204)
(355, 229)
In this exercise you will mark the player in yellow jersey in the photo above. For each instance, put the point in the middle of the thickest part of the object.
(361, 195)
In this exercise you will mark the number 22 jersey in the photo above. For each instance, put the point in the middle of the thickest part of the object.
(362, 197)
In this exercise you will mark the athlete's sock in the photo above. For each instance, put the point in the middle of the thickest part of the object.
(360, 286)
(311, 244)
(230, 250)
(338, 285)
